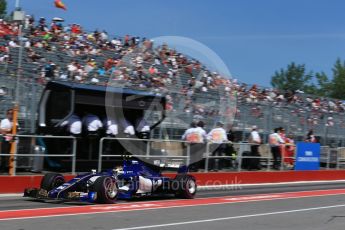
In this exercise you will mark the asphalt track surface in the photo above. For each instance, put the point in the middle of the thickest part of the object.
(259, 208)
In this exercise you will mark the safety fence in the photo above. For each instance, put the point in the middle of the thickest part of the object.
(30, 151)
(332, 157)
(238, 155)
(34, 152)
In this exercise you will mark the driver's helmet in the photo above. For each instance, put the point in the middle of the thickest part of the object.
(118, 170)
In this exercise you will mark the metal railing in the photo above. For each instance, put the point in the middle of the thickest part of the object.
(340, 157)
(16, 140)
(176, 151)
(237, 160)
(239, 157)
(325, 153)
(147, 152)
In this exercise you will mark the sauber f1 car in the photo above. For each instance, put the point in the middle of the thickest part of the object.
(133, 179)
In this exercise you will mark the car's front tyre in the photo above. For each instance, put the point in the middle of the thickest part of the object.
(106, 190)
(52, 180)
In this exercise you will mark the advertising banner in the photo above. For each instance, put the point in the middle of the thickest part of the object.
(307, 156)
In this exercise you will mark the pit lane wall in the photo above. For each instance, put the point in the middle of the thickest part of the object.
(16, 184)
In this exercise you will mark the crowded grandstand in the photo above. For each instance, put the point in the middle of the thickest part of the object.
(55, 51)
(41, 50)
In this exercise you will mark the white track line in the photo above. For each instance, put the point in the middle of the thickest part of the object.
(155, 208)
(231, 217)
(239, 185)
(5, 195)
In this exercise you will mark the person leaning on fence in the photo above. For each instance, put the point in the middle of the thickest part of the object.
(231, 135)
(217, 137)
(111, 130)
(126, 129)
(200, 152)
(92, 127)
(142, 128)
(230, 150)
(6, 125)
(196, 137)
(255, 141)
(92, 124)
(275, 141)
(289, 151)
(111, 127)
(72, 125)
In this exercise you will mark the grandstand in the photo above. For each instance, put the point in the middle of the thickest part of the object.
(67, 53)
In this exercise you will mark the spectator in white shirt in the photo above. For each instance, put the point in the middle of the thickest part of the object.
(111, 127)
(73, 125)
(275, 141)
(218, 134)
(196, 136)
(255, 141)
(127, 129)
(218, 137)
(111, 130)
(6, 125)
(13, 44)
(92, 123)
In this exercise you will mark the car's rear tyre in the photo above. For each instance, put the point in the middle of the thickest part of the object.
(185, 186)
(106, 189)
(52, 180)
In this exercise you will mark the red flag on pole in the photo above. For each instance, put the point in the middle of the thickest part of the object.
(60, 4)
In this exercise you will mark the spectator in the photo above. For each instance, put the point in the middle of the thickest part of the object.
(230, 150)
(2, 92)
(13, 44)
(218, 137)
(126, 128)
(111, 130)
(91, 123)
(231, 135)
(72, 125)
(6, 125)
(200, 127)
(310, 137)
(275, 141)
(195, 136)
(142, 126)
(289, 151)
(49, 69)
(218, 134)
(255, 141)
(111, 127)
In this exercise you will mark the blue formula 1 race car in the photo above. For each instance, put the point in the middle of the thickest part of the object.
(133, 179)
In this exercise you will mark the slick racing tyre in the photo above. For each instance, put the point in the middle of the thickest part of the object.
(186, 186)
(106, 189)
(52, 180)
